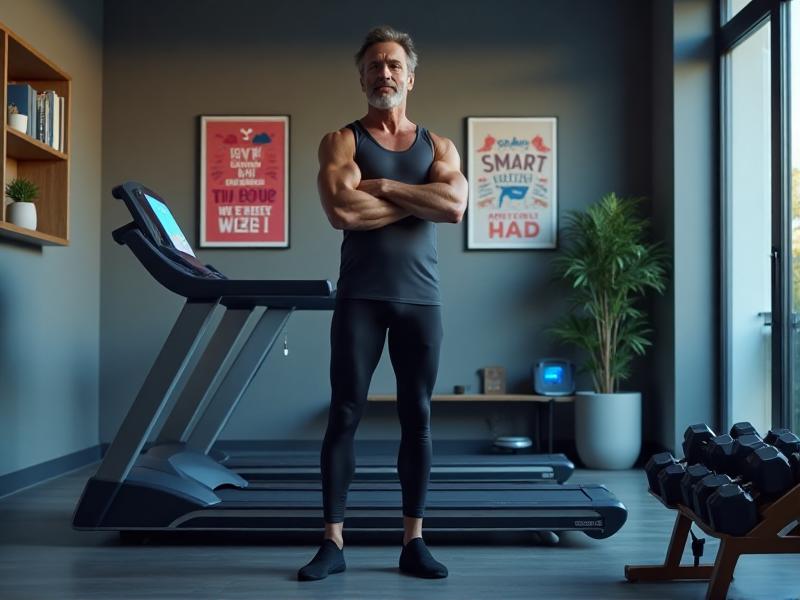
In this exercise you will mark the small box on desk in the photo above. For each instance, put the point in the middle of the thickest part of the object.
(493, 380)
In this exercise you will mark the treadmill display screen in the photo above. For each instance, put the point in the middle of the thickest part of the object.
(170, 225)
(553, 374)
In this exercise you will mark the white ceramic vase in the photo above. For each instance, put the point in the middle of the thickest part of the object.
(22, 214)
(608, 429)
(18, 122)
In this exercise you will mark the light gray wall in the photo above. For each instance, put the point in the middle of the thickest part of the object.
(586, 62)
(696, 237)
(686, 215)
(50, 298)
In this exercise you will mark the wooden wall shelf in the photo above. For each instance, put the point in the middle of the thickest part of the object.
(21, 146)
(21, 234)
(478, 398)
(24, 156)
(548, 402)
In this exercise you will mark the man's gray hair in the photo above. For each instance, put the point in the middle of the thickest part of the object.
(384, 33)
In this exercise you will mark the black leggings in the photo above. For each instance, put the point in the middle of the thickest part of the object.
(358, 333)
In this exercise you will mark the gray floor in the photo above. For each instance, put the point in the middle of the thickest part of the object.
(41, 557)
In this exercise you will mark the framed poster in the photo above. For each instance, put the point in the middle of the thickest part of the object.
(244, 181)
(512, 172)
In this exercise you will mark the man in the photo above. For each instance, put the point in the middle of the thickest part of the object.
(385, 182)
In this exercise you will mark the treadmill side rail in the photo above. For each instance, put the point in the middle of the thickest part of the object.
(180, 460)
(613, 511)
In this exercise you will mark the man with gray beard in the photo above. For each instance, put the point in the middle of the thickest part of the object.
(385, 182)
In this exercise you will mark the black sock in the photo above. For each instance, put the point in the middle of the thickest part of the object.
(416, 559)
(329, 559)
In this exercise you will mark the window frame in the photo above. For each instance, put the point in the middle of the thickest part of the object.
(730, 34)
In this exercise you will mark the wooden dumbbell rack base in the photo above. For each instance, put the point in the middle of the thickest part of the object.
(778, 532)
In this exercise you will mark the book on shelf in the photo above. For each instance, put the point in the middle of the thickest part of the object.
(40, 121)
(61, 118)
(50, 119)
(23, 96)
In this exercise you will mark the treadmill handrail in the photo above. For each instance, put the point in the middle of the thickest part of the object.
(182, 281)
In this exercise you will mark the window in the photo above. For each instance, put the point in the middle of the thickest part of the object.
(794, 120)
(760, 213)
(731, 8)
(748, 210)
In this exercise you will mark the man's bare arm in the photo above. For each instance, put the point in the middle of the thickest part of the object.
(339, 176)
(443, 200)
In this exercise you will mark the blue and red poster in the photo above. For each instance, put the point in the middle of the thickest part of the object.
(511, 168)
(244, 181)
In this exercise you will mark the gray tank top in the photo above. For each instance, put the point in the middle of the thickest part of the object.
(398, 262)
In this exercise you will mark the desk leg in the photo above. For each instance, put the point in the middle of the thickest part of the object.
(552, 405)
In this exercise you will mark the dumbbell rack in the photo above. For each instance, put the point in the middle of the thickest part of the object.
(764, 538)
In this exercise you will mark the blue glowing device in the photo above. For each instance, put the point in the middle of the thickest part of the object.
(554, 377)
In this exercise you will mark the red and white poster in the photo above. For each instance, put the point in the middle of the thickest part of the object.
(511, 168)
(244, 181)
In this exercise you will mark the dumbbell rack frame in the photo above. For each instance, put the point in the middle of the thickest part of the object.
(764, 538)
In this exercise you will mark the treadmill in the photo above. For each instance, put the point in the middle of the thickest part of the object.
(220, 339)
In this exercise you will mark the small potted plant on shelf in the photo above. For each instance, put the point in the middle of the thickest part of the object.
(611, 266)
(16, 120)
(22, 211)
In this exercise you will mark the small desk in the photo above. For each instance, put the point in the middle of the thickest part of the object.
(539, 400)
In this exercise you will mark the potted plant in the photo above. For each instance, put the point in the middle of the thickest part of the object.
(22, 211)
(16, 120)
(611, 266)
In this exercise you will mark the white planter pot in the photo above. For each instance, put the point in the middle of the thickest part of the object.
(608, 429)
(22, 214)
(18, 122)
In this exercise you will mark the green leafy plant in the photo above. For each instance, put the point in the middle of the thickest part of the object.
(22, 190)
(611, 266)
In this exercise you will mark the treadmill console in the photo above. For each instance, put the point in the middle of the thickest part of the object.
(169, 225)
(157, 223)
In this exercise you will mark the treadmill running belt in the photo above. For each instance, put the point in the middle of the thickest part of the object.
(591, 509)
(562, 496)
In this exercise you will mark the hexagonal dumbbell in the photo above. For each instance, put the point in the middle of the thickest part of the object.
(695, 438)
(669, 483)
(750, 459)
(718, 454)
(743, 447)
(742, 428)
(774, 434)
(769, 471)
(655, 465)
(668, 486)
(693, 474)
(702, 491)
(794, 461)
(732, 510)
(787, 442)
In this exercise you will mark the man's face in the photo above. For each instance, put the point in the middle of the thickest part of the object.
(384, 75)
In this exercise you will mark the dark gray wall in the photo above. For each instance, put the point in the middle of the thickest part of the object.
(660, 419)
(586, 62)
(50, 298)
